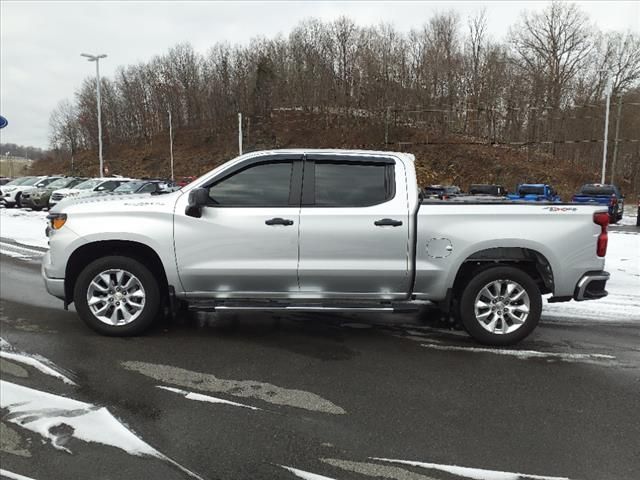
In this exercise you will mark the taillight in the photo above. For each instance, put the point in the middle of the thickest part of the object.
(602, 219)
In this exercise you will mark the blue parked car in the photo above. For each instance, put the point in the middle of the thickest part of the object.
(602, 194)
(535, 192)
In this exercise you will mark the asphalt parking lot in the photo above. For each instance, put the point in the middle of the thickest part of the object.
(272, 396)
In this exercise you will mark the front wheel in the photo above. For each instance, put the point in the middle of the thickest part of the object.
(500, 306)
(117, 296)
(19, 200)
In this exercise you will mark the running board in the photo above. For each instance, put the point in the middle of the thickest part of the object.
(210, 306)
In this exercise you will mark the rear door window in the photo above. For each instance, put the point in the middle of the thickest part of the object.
(352, 184)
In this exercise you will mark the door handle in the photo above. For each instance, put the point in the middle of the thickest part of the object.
(387, 222)
(279, 221)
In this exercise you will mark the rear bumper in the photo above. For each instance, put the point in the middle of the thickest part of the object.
(591, 286)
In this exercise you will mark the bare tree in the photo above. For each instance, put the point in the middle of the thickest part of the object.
(553, 46)
(64, 129)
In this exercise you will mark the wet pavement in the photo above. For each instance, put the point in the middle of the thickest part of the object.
(259, 395)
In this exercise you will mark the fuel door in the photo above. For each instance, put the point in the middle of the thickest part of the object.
(439, 247)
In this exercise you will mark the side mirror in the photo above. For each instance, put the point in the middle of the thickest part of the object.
(99, 189)
(198, 198)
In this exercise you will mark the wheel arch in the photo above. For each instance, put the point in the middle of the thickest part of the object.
(89, 252)
(531, 261)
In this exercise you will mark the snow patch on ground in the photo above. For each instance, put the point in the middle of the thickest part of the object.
(38, 362)
(58, 419)
(472, 473)
(24, 226)
(623, 302)
(630, 215)
(204, 398)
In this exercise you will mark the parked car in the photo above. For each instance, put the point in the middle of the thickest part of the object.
(86, 189)
(145, 186)
(487, 189)
(13, 183)
(353, 235)
(535, 192)
(602, 194)
(184, 181)
(13, 193)
(441, 191)
(39, 198)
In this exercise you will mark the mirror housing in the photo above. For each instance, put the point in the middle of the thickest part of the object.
(198, 198)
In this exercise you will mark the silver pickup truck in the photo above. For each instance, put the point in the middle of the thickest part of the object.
(322, 230)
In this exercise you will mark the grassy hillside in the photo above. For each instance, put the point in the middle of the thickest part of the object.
(446, 159)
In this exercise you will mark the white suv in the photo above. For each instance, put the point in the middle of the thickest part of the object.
(12, 192)
(86, 189)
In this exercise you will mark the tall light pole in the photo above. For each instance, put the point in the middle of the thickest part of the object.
(96, 58)
(608, 89)
(170, 142)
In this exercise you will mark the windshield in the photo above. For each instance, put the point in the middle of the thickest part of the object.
(47, 181)
(129, 187)
(60, 183)
(597, 190)
(89, 184)
(18, 181)
(531, 190)
(31, 181)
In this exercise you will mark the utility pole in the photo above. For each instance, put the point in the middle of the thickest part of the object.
(170, 142)
(96, 58)
(386, 126)
(617, 140)
(240, 133)
(606, 130)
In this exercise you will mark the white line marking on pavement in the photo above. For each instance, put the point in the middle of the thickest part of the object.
(38, 362)
(472, 473)
(204, 398)
(13, 476)
(527, 354)
(306, 475)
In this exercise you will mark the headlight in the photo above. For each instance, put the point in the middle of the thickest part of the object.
(72, 194)
(57, 220)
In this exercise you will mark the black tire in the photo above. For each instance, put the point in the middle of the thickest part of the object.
(152, 304)
(473, 288)
(19, 200)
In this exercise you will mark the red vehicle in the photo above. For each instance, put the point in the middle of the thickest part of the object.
(185, 181)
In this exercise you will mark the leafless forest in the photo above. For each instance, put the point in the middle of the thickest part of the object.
(539, 90)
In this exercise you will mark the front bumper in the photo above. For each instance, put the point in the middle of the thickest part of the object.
(55, 286)
(37, 202)
(591, 286)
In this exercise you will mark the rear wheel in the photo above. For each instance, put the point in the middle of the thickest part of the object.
(500, 306)
(117, 296)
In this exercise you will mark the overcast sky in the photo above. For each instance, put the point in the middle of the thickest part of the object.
(41, 42)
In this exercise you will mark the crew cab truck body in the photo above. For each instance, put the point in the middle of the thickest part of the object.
(318, 229)
(535, 192)
(605, 195)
